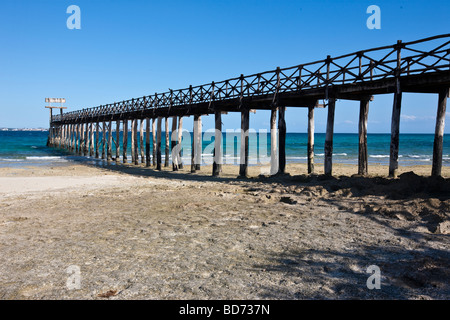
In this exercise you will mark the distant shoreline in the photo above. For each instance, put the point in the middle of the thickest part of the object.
(23, 129)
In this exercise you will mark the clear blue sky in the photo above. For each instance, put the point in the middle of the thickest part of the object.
(132, 48)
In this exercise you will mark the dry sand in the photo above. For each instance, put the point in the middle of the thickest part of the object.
(143, 234)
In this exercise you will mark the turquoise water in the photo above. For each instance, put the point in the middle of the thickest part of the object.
(25, 148)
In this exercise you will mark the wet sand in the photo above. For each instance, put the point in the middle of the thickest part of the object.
(144, 234)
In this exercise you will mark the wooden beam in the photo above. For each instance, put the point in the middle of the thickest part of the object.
(199, 148)
(135, 142)
(362, 131)
(125, 141)
(154, 140)
(310, 148)
(158, 145)
(97, 142)
(180, 135)
(217, 164)
(147, 142)
(282, 140)
(436, 169)
(173, 145)
(273, 142)
(395, 132)
(87, 136)
(109, 155)
(167, 142)
(328, 161)
(117, 141)
(194, 144)
(245, 124)
(141, 141)
(103, 139)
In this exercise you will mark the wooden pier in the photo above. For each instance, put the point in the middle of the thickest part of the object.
(421, 66)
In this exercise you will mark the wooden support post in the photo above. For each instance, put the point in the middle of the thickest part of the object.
(154, 141)
(125, 141)
(180, 135)
(158, 145)
(328, 161)
(395, 121)
(173, 146)
(135, 142)
(82, 141)
(77, 136)
(103, 139)
(91, 152)
(147, 142)
(362, 150)
(310, 148)
(71, 137)
(97, 142)
(273, 142)
(141, 141)
(395, 133)
(60, 136)
(86, 139)
(245, 124)
(199, 140)
(217, 164)
(167, 142)
(194, 144)
(439, 133)
(282, 139)
(117, 141)
(109, 158)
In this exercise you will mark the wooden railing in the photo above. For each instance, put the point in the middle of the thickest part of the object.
(401, 59)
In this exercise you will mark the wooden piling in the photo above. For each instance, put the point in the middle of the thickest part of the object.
(103, 139)
(180, 135)
(87, 134)
(158, 144)
(91, 152)
(310, 148)
(109, 156)
(395, 133)
(77, 138)
(173, 146)
(282, 140)
(245, 124)
(125, 141)
(154, 141)
(147, 142)
(362, 131)
(436, 169)
(198, 156)
(97, 142)
(194, 144)
(217, 164)
(117, 141)
(135, 142)
(167, 142)
(82, 140)
(328, 161)
(273, 142)
(141, 141)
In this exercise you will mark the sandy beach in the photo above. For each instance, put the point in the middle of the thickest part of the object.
(141, 234)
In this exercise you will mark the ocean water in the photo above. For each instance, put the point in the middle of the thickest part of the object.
(28, 148)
